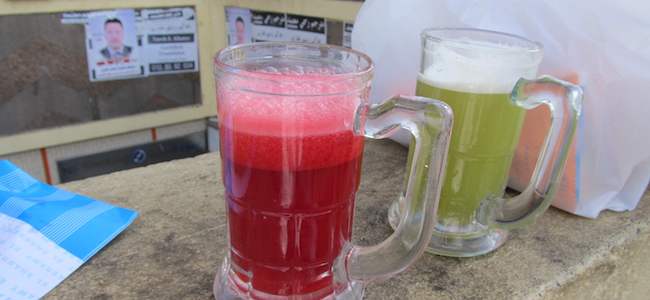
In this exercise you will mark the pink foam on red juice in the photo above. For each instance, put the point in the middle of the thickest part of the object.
(291, 168)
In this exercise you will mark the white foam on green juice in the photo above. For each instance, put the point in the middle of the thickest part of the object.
(477, 67)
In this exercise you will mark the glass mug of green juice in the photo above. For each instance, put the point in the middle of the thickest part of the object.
(485, 77)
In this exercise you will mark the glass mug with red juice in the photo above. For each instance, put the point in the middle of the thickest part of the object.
(293, 118)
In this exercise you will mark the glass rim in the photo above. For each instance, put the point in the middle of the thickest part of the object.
(220, 65)
(525, 44)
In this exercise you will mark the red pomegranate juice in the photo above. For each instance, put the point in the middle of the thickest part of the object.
(291, 169)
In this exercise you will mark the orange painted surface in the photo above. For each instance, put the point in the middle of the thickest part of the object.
(535, 128)
(46, 166)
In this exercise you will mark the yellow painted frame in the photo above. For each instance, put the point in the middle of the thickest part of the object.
(211, 36)
(331, 9)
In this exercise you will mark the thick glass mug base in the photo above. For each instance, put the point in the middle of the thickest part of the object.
(228, 286)
(454, 244)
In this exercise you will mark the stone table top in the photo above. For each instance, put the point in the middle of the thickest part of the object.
(173, 249)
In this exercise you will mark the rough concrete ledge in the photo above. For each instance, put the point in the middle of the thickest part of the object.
(173, 249)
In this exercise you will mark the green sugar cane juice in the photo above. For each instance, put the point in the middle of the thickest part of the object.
(479, 73)
(486, 126)
(485, 134)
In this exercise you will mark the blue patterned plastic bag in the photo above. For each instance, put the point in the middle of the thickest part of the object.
(46, 233)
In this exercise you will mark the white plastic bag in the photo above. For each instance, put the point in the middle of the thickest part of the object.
(604, 45)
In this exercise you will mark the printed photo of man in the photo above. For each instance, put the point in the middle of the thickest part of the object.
(115, 49)
(240, 31)
(112, 46)
(239, 25)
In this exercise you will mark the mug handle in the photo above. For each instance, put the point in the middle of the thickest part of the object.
(525, 208)
(429, 122)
